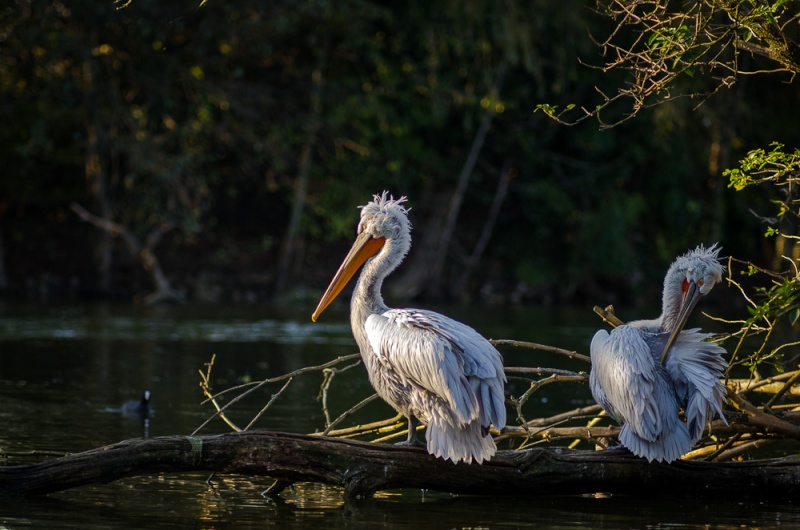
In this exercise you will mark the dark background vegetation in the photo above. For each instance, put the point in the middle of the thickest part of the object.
(247, 132)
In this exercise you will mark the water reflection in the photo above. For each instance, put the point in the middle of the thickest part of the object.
(89, 327)
(186, 501)
(65, 373)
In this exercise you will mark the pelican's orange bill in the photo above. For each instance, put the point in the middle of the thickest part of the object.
(364, 247)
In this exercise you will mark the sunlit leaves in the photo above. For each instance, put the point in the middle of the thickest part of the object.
(656, 44)
(551, 111)
(769, 308)
(778, 171)
(669, 40)
(760, 165)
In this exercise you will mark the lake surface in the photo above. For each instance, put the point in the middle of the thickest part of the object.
(66, 370)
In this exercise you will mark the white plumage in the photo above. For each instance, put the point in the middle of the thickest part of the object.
(427, 366)
(644, 372)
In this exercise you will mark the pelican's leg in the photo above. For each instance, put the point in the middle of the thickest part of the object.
(412, 441)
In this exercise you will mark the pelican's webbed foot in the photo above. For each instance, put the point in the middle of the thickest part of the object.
(412, 440)
(412, 443)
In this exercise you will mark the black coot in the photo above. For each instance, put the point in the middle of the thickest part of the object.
(141, 406)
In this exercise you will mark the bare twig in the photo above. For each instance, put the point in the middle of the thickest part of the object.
(367, 428)
(258, 384)
(768, 385)
(608, 315)
(535, 346)
(275, 396)
(549, 433)
(349, 412)
(761, 419)
(571, 414)
(205, 384)
(328, 375)
(581, 377)
(396, 435)
(740, 449)
(536, 385)
(786, 387)
(255, 386)
(594, 421)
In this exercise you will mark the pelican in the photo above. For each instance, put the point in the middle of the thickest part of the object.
(430, 368)
(643, 372)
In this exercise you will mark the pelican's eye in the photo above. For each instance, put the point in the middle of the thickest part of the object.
(700, 282)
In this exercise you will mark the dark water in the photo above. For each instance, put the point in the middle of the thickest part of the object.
(65, 371)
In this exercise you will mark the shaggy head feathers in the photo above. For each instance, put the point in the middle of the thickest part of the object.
(385, 217)
(700, 265)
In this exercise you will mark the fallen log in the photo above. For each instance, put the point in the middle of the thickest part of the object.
(363, 468)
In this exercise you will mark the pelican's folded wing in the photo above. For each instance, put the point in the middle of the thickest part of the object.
(443, 356)
(696, 366)
(624, 369)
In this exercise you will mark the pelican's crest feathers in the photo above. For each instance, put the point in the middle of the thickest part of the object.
(701, 255)
(385, 215)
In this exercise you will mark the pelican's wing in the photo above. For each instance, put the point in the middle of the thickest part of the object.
(444, 357)
(624, 379)
(696, 367)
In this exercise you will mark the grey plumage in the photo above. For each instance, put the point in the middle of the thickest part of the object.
(644, 372)
(427, 366)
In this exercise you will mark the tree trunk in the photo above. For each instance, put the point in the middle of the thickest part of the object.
(363, 468)
(145, 253)
(427, 268)
(96, 171)
(304, 170)
(3, 275)
(506, 175)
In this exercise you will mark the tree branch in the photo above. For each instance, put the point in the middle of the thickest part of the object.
(364, 468)
(543, 347)
(144, 253)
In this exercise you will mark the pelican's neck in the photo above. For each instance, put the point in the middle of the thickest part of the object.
(367, 299)
(672, 299)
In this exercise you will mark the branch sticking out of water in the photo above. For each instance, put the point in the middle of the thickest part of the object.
(253, 386)
(608, 315)
(752, 429)
(535, 346)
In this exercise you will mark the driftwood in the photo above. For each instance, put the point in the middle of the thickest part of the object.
(363, 468)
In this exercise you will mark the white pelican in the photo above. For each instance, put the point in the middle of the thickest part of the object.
(430, 368)
(644, 371)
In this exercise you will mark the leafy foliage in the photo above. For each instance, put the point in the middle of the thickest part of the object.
(778, 301)
(761, 166)
(662, 46)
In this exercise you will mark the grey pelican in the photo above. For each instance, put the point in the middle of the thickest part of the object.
(430, 368)
(643, 372)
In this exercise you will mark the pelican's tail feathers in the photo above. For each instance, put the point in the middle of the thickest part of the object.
(491, 400)
(466, 443)
(670, 445)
